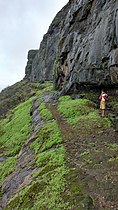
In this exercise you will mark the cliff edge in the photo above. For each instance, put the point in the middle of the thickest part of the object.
(80, 47)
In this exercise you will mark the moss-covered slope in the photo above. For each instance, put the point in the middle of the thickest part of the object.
(57, 154)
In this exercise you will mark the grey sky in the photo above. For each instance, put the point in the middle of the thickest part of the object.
(22, 26)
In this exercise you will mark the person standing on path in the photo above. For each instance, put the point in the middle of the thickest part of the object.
(103, 98)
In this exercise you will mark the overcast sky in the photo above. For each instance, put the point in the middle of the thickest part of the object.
(22, 26)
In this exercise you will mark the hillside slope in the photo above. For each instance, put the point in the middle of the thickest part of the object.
(13, 95)
(58, 153)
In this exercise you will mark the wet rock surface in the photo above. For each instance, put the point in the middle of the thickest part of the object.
(25, 167)
(30, 57)
(80, 47)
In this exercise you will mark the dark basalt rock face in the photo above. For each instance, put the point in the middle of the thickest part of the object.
(80, 47)
(42, 64)
(30, 57)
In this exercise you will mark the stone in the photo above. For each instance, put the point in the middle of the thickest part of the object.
(30, 57)
(80, 47)
(113, 65)
(49, 97)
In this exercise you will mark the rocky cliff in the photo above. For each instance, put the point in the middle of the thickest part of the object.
(57, 152)
(80, 47)
(41, 66)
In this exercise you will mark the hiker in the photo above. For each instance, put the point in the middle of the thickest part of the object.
(103, 98)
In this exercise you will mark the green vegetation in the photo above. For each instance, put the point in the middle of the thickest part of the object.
(90, 95)
(113, 146)
(49, 136)
(54, 158)
(47, 188)
(45, 113)
(54, 186)
(113, 159)
(81, 113)
(54, 179)
(74, 108)
(44, 87)
(11, 96)
(86, 152)
(45, 192)
(113, 102)
(21, 91)
(49, 182)
(16, 131)
(74, 194)
(7, 167)
(104, 63)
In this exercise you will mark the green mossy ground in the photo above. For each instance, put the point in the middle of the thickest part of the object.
(81, 114)
(15, 128)
(7, 167)
(70, 151)
(15, 131)
(49, 182)
(45, 113)
(21, 91)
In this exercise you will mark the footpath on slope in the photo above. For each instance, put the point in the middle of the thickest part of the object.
(93, 158)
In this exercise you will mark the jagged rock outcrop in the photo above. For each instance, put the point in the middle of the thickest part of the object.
(42, 64)
(30, 57)
(81, 46)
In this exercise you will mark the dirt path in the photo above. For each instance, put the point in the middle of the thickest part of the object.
(68, 134)
(93, 157)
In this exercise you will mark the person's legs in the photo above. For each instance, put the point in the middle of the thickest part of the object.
(102, 106)
(103, 112)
